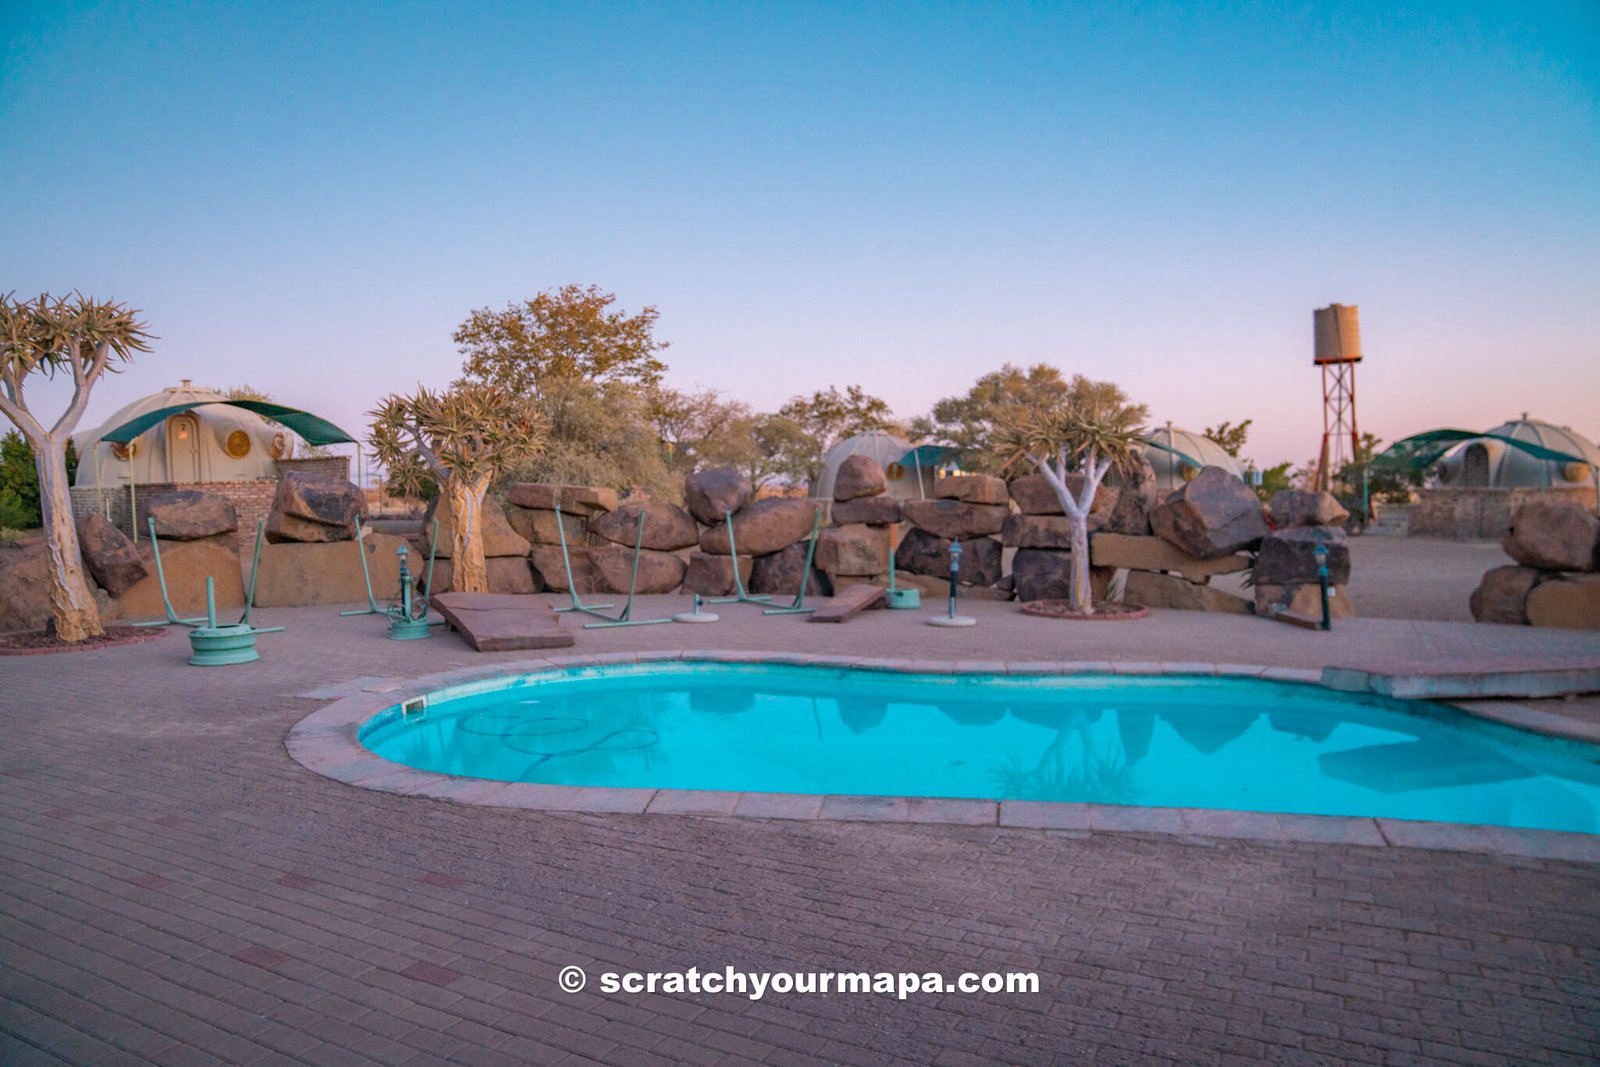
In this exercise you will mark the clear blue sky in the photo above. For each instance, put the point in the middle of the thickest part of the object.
(309, 197)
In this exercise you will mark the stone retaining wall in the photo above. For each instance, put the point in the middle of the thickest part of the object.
(1478, 514)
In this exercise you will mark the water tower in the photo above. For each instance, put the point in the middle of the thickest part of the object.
(1338, 350)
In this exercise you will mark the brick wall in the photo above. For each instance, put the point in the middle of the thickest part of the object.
(1478, 514)
(323, 466)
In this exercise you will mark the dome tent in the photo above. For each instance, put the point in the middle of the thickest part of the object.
(1171, 470)
(1499, 459)
(210, 443)
(888, 450)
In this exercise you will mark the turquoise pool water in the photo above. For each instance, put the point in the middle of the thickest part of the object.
(1192, 742)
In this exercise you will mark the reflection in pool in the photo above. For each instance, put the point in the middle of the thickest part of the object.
(1193, 742)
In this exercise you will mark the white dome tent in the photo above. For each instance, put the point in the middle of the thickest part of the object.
(184, 437)
(889, 450)
(212, 442)
(1497, 460)
(1171, 470)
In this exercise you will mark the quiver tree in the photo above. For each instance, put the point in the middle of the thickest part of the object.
(81, 337)
(1087, 432)
(461, 439)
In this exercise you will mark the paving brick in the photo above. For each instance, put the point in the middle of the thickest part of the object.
(289, 905)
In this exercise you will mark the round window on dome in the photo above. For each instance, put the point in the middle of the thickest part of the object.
(1575, 472)
(1190, 473)
(125, 451)
(237, 444)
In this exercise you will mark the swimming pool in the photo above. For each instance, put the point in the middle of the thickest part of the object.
(1163, 741)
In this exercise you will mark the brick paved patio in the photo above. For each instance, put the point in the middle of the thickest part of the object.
(175, 889)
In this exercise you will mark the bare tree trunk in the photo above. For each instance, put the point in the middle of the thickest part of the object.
(468, 571)
(1082, 590)
(72, 603)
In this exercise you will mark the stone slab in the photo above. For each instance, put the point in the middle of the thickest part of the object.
(497, 622)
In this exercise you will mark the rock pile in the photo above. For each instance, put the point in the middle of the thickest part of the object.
(769, 535)
(1556, 544)
(196, 529)
(531, 511)
(1286, 572)
(855, 549)
(1172, 549)
(972, 508)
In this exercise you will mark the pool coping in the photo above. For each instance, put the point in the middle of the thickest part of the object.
(325, 742)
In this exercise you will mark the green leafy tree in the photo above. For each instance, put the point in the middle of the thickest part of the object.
(83, 338)
(590, 370)
(1275, 479)
(701, 429)
(813, 424)
(968, 422)
(19, 481)
(564, 335)
(460, 439)
(1228, 437)
(1092, 429)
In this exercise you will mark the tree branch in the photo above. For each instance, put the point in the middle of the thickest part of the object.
(22, 418)
(83, 380)
(427, 454)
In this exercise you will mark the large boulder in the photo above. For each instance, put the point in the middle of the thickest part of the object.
(1045, 574)
(711, 494)
(506, 574)
(1297, 507)
(550, 570)
(855, 549)
(955, 518)
(1289, 557)
(314, 500)
(1213, 516)
(872, 510)
(191, 514)
(1036, 496)
(286, 529)
(1137, 496)
(765, 527)
(1039, 531)
(112, 559)
(24, 587)
(1151, 553)
(1502, 595)
(1553, 535)
(921, 552)
(778, 574)
(186, 565)
(500, 539)
(972, 488)
(667, 527)
(1302, 603)
(1154, 590)
(1571, 603)
(659, 572)
(292, 575)
(859, 477)
(712, 575)
(543, 527)
(572, 499)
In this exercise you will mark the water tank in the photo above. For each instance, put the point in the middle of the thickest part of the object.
(1338, 333)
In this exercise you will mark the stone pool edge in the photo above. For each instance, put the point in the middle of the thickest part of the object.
(325, 742)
